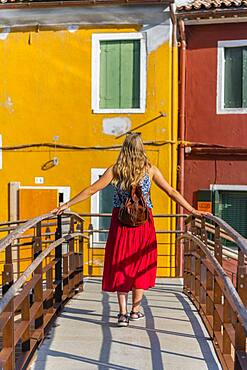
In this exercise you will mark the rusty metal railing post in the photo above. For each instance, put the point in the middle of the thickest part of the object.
(66, 272)
(217, 289)
(8, 272)
(38, 290)
(80, 228)
(202, 272)
(72, 279)
(9, 329)
(58, 266)
(240, 334)
(186, 266)
(90, 249)
(192, 257)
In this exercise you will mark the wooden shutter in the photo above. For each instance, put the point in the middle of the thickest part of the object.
(244, 77)
(233, 78)
(130, 74)
(233, 209)
(120, 74)
(109, 74)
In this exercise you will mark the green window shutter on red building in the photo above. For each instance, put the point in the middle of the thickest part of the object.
(232, 207)
(119, 74)
(244, 77)
(235, 84)
(233, 78)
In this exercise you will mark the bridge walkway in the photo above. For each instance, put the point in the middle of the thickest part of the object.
(85, 336)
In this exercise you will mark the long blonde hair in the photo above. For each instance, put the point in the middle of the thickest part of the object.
(132, 163)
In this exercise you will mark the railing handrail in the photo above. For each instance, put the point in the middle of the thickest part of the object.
(161, 215)
(237, 238)
(3, 223)
(16, 233)
(9, 295)
(228, 285)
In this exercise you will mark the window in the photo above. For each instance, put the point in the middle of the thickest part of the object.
(101, 203)
(118, 73)
(231, 206)
(232, 77)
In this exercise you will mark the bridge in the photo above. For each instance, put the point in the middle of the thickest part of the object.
(54, 314)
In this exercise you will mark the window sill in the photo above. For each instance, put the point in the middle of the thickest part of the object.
(232, 111)
(118, 110)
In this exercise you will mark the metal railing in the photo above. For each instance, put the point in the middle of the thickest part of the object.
(31, 299)
(32, 296)
(220, 300)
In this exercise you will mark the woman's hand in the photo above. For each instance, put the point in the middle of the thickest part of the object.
(195, 212)
(61, 209)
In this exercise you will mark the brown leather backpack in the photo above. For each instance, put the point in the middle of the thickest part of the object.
(134, 212)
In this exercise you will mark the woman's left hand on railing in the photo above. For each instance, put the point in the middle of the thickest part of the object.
(60, 210)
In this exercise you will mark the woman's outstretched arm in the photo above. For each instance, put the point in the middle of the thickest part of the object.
(98, 185)
(173, 193)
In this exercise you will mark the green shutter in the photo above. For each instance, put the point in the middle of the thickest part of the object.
(105, 206)
(130, 74)
(233, 78)
(109, 74)
(244, 77)
(233, 209)
(120, 74)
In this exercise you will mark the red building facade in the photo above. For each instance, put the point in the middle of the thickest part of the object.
(215, 116)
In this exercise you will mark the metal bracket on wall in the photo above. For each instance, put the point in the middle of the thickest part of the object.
(162, 114)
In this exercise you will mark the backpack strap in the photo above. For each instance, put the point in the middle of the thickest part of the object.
(133, 190)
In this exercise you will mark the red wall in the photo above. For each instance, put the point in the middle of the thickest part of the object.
(202, 122)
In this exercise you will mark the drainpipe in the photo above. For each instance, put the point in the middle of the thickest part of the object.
(182, 68)
(174, 119)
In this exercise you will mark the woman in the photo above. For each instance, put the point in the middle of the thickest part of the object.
(131, 252)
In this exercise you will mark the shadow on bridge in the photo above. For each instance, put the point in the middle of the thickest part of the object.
(171, 336)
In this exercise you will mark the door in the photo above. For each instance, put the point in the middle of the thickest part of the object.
(32, 203)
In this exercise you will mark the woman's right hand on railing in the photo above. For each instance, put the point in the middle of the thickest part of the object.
(60, 210)
(195, 212)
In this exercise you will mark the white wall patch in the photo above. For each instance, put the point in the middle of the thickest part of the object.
(5, 33)
(116, 126)
(8, 104)
(1, 153)
(157, 35)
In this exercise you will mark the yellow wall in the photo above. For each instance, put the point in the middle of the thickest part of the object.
(46, 92)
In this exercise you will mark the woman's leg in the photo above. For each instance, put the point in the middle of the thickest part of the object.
(137, 295)
(122, 301)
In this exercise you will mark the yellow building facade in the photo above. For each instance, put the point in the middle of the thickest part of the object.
(51, 104)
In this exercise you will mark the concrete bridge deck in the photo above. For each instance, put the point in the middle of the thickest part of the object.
(85, 336)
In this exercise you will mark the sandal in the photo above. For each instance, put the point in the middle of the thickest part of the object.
(123, 320)
(134, 316)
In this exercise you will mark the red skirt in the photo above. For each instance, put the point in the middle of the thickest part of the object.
(130, 256)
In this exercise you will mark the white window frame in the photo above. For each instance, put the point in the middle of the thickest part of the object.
(228, 187)
(95, 173)
(221, 77)
(96, 38)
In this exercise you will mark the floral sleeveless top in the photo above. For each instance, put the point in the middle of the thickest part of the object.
(120, 196)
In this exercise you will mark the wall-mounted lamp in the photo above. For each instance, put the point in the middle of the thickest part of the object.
(49, 164)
